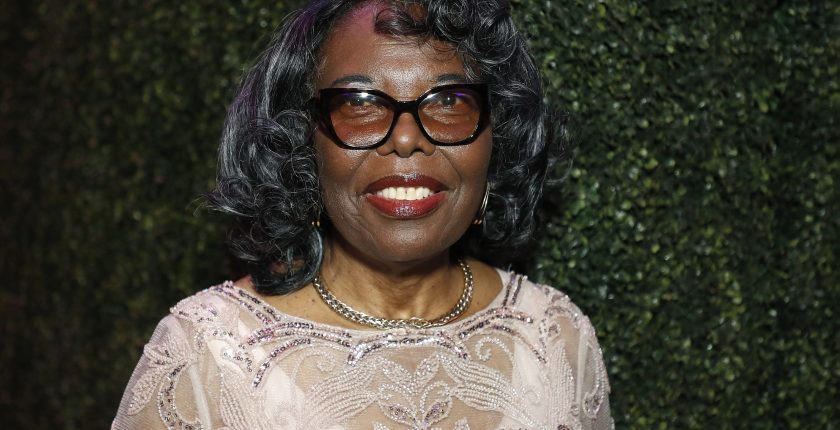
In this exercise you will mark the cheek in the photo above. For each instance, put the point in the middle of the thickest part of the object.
(479, 166)
(475, 161)
(331, 160)
(471, 162)
(335, 172)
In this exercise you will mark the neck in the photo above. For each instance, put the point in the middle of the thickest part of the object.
(425, 288)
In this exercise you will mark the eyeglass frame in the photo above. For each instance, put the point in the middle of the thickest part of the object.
(319, 108)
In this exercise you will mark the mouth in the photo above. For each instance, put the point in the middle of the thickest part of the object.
(406, 197)
(404, 193)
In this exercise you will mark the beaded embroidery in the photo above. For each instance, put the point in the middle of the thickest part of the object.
(513, 365)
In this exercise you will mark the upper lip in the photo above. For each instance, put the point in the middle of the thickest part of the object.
(411, 180)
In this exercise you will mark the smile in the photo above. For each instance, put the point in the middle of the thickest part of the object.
(405, 193)
(406, 197)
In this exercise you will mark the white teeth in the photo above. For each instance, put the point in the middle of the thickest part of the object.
(405, 193)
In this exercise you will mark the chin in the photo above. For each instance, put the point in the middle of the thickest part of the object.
(404, 245)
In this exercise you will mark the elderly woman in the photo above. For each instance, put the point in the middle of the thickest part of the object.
(378, 156)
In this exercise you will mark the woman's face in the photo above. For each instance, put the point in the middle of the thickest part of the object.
(358, 186)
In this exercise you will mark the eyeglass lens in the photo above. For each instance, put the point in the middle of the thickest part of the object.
(362, 119)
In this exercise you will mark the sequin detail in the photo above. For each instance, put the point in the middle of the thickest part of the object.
(167, 357)
(514, 365)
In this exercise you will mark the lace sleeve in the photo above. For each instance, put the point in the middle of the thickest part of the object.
(593, 387)
(165, 390)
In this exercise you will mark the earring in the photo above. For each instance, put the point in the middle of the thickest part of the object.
(482, 210)
(317, 221)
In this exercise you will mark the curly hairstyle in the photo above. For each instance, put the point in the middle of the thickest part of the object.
(268, 175)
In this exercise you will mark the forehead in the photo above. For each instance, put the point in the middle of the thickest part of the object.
(354, 54)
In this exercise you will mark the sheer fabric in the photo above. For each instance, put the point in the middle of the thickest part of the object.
(225, 359)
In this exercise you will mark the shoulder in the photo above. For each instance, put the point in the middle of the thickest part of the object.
(220, 311)
(542, 301)
(176, 359)
(205, 310)
(554, 309)
(213, 304)
(565, 330)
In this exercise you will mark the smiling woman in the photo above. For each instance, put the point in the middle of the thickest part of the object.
(377, 158)
(398, 232)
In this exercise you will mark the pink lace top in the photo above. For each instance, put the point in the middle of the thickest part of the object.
(224, 359)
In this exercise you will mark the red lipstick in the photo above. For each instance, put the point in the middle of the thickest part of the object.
(405, 209)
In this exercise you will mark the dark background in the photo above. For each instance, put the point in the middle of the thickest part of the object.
(698, 226)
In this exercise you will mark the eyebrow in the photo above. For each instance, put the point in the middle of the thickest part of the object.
(457, 78)
(352, 79)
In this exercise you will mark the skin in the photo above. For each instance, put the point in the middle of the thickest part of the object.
(386, 267)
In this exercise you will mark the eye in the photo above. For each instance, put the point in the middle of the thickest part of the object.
(357, 106)
(358, 100)
(454, 100)
(448, 99)
(451, 102)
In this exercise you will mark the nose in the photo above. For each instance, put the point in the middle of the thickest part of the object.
(406, 138)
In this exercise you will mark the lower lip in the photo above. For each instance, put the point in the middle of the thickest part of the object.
(406, 209)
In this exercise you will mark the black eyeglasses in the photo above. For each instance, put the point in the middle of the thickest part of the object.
(364, 119)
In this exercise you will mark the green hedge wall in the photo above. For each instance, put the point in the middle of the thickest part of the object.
(698, 225)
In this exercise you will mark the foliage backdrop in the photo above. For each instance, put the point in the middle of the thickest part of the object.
(698, 226)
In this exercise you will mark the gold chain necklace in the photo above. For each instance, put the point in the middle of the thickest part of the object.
(359, 317)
